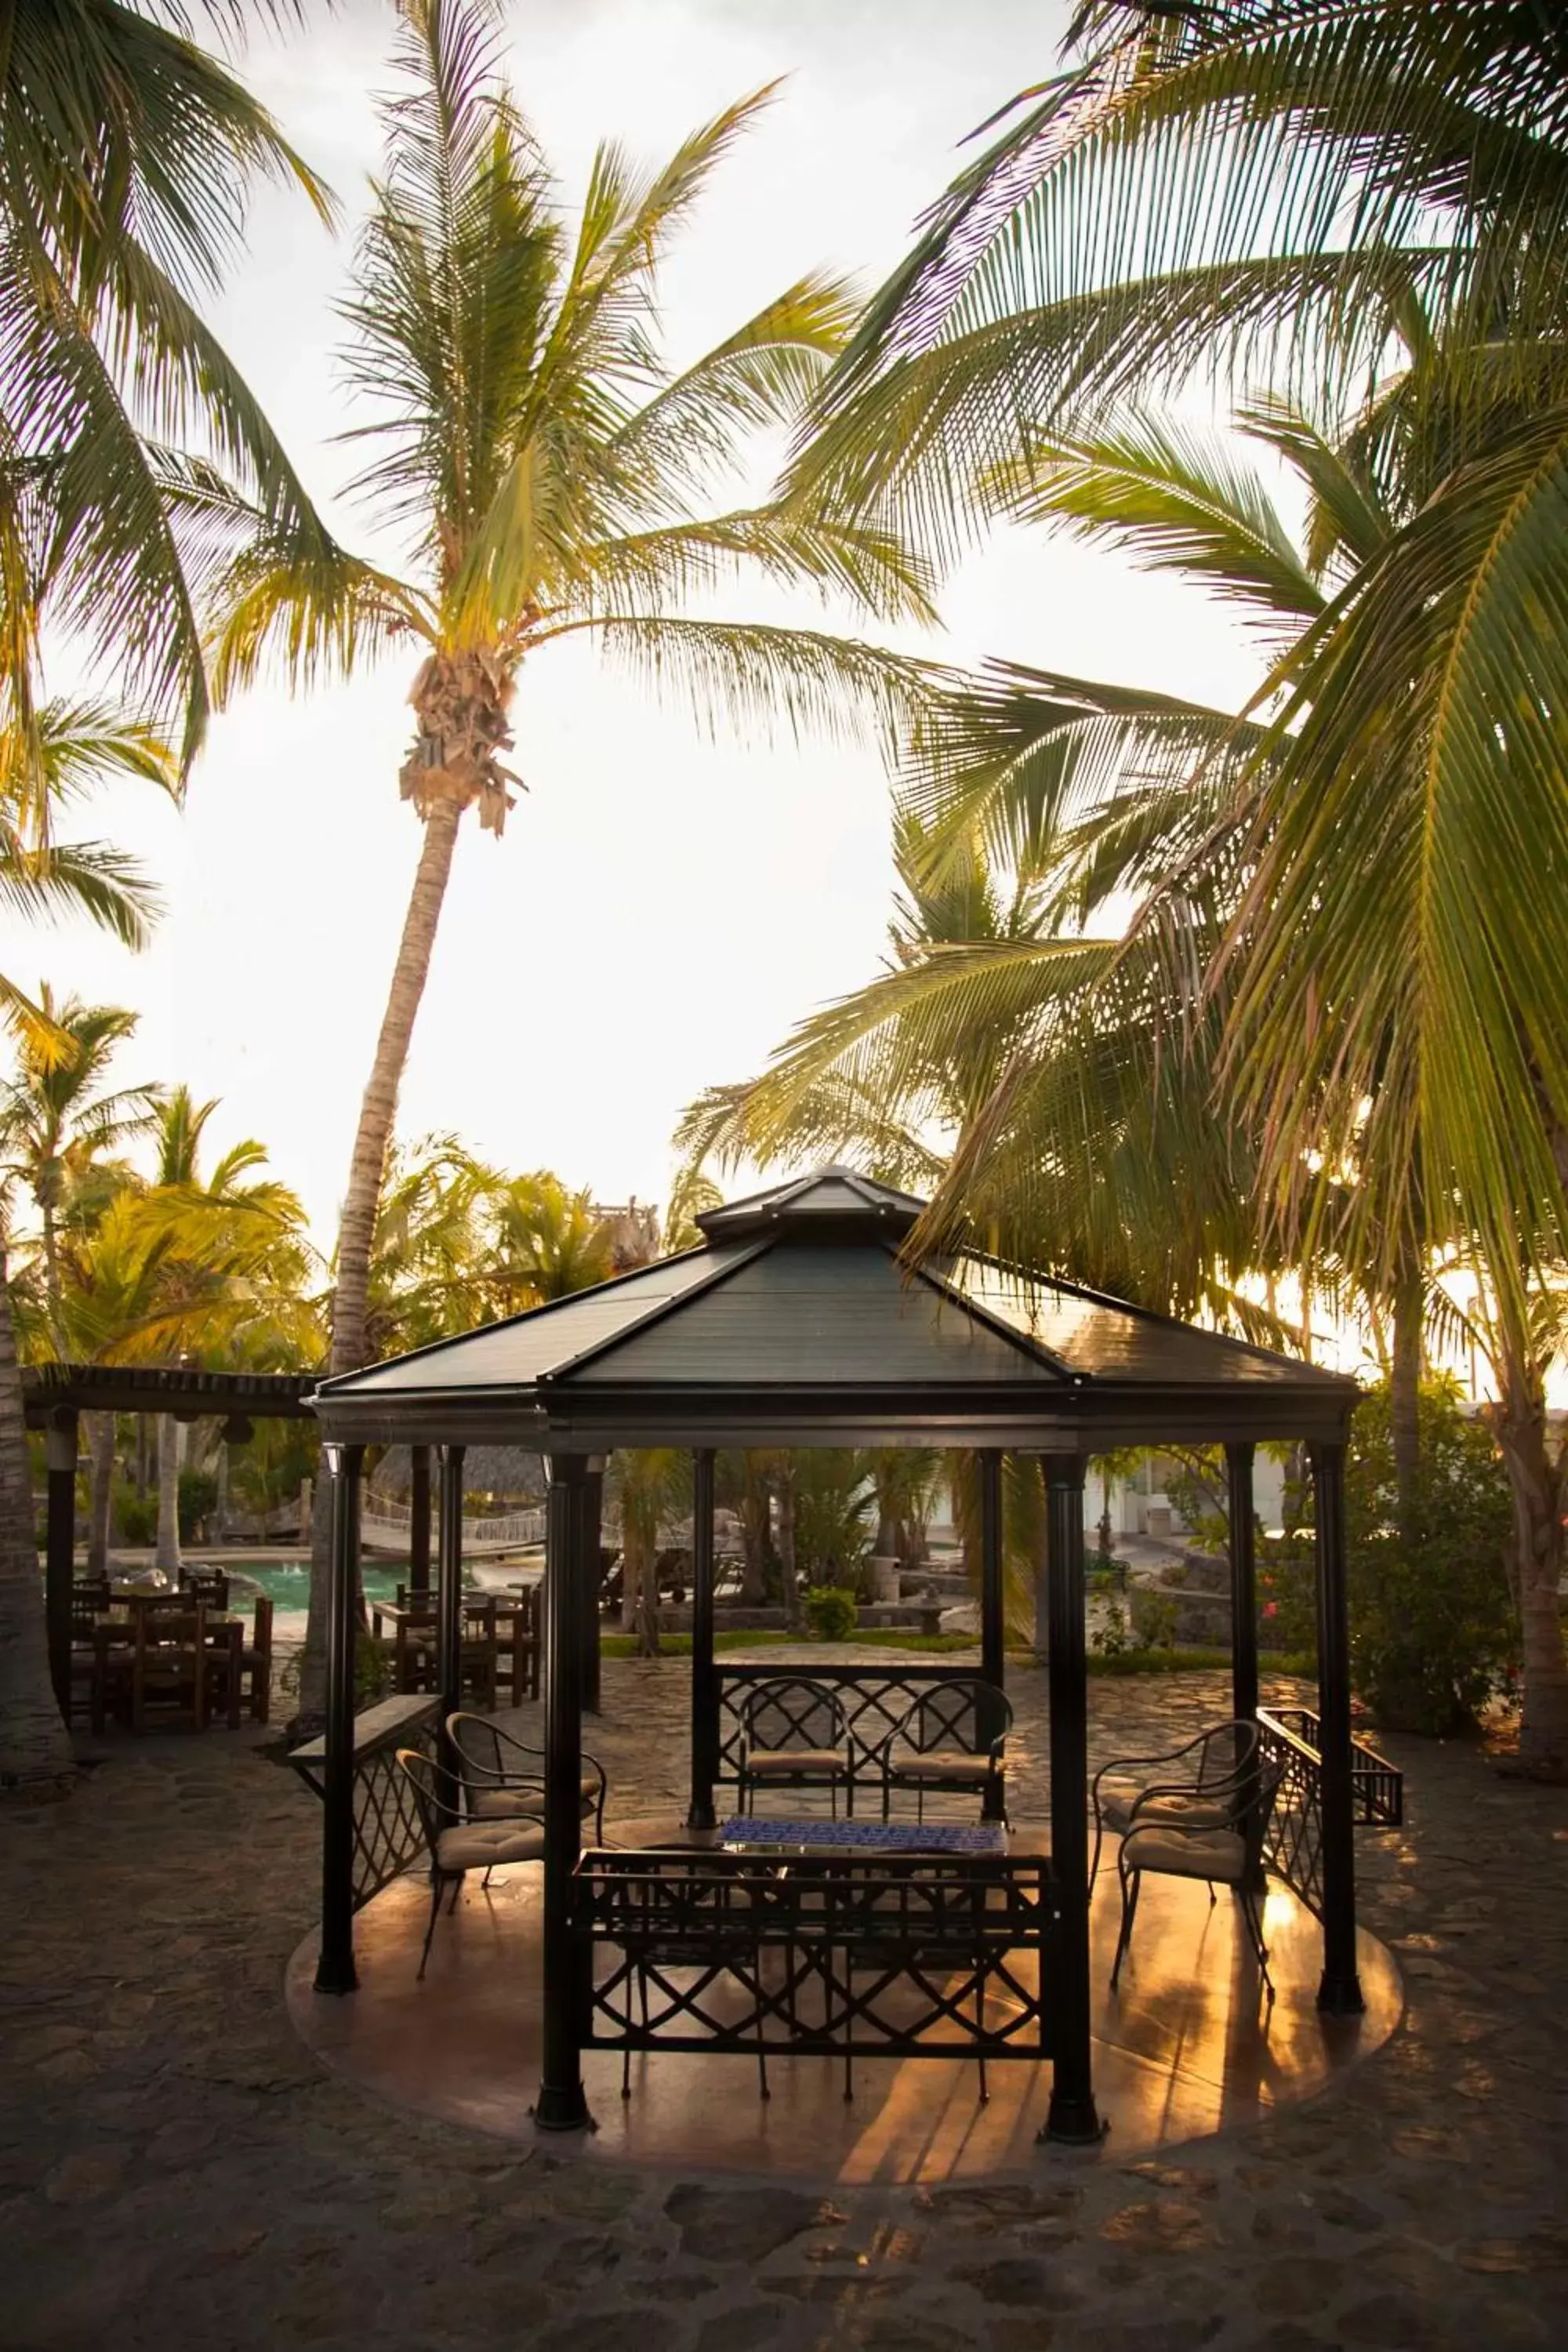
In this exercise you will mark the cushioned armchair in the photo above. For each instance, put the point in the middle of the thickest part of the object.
(1195, 1787)
(456, 1845)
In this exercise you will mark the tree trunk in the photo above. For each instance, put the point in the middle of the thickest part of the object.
(753, 1536)
(35, 1747)
(357, 1231)
(170, 1448)
(1538, 1475)
(784, 1490)
(1405, 1402)
(101, 1447)
(631, 1576)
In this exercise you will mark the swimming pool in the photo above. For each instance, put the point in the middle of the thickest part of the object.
(288, 1586)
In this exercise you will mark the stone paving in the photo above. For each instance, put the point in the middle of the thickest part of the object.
(174, 2167)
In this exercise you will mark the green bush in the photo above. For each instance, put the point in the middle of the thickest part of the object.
(136, 1517)
(1155, 1621)
(198, 1501)
(830, 1613)
(1434, 1631)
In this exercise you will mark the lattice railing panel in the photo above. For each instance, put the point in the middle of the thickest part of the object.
(875, 1700)
(389, 1836)
(726, 1953)
(1294, 1846)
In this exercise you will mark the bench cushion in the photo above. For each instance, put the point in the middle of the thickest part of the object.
(1192, 1812)
(1217, 1855)
(937, 1764)
(526, 1803)
(760, 1761)
(474, 1845)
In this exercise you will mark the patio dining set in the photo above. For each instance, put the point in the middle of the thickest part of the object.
(891, 1921)
(156, 1660)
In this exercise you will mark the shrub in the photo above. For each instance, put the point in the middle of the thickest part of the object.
(198, 1500)
(830, 1613)
(1434, 1631)
(136, 1517)
(1155, 1621)
(1111, 1638)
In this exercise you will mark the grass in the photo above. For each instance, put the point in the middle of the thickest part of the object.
(890, 1637)
(678, 1645)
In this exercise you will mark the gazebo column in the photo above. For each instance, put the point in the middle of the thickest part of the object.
(704, 1676)
(419, 1524)
(449, 1586)
(1339, 1992)
(60, 1547)
(561, 2104)
(335, 1967)
(1238, 1462)
(988, 1467)
(588, 1583)
(1072, 2116)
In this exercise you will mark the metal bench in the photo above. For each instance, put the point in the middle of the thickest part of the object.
(843, 1955)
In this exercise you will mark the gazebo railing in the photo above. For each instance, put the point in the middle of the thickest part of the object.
(389, 1837)
(875, 1698)
(1295, 1841)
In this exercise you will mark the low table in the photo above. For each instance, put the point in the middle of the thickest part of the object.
(746, 1834)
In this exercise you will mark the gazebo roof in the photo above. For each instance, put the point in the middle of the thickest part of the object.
(796, 1322)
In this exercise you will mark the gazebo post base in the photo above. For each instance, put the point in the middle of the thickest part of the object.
(562, 2108)
(1072, 2120)
(1339, 1994)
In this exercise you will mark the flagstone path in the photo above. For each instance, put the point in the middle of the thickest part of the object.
(174, 2167)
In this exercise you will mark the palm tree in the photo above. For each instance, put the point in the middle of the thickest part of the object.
(651, 1484)
(553, 474)
(126, 155)
(42, 877)
(58, 1119)
(1348, 192)
(555, 479)
(214, 1255)
(545, 1243)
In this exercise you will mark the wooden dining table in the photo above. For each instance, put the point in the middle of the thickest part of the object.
(496, 1610)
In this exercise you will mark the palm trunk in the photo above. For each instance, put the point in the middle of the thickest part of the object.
(100, 1446)
(785, 1491)
(167, 1555)
(356, 1231)
(1405, 1402)
(1538, 1474)
(35, 1748)
(753, 1538)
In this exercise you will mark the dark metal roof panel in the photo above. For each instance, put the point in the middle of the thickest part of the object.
(821, 1318)
(530, 1348)
(1104, 1340)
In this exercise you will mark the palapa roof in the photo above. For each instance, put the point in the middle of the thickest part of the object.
(796, 1322)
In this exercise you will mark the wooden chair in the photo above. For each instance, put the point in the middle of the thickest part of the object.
(456, 1845)
(210, 1586)
(415, 1651)
(256, 1660)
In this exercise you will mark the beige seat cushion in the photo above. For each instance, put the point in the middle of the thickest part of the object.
(1217, 1855)
(763, 1761)
(506, 1804)
(937, 1766)
(1190, 1809)
(474, 1845)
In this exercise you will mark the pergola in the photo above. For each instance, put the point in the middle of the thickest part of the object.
(54, 1396)
(796, 1323)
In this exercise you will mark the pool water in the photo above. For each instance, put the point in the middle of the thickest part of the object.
(289, 1587)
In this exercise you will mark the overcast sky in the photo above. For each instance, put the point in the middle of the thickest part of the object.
(663, 908)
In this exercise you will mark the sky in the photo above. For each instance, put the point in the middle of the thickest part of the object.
(665, 906)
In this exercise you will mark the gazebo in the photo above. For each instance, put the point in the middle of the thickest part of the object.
(797, 1323)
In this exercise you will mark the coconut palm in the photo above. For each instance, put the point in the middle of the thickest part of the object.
(544, 1242)
(552, 477)
(555, 477)
(1345, 191)
(126, 155)
(60, 1120)
(651, 1485)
